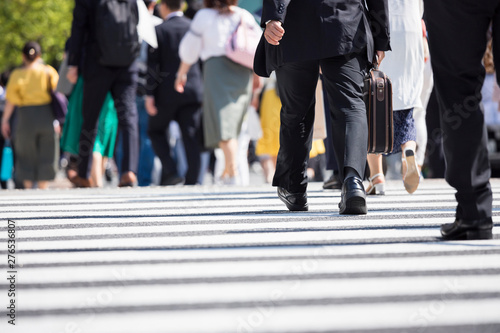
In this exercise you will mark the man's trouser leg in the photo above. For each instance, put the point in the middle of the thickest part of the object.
(457, 37)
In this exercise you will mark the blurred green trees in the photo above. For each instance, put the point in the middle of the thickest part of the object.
(47, 22)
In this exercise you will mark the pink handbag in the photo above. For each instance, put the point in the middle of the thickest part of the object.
(242, 43)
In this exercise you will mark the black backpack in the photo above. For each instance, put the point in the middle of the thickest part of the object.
(116, 32)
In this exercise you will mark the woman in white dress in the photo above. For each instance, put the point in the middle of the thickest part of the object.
(404, 66)
(227, 85)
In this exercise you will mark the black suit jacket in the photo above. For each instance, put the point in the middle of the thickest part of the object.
(163, 63)
(83, 48)
(319, 29)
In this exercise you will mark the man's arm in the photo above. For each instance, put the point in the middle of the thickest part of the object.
(152, 80)
(79, 28)
(273, 16)
(153, 76)
(378, 12)
(274, 10)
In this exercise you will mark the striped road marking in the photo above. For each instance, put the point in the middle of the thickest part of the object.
(230, 259)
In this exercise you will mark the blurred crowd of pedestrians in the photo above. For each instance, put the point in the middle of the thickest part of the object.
(181, 112)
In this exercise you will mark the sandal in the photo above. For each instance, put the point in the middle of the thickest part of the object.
(412, 177)
(378, 188)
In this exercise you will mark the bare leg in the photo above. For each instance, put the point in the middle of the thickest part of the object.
(43, 184)
(96, 172)
(376, 174)
(375, 163)
(269, 166)
(310, 173)
(28, 184)
(230, 150)
(411, 175)
(104, 163)
(407, 145)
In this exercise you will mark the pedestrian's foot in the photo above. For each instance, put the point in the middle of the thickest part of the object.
(468, 229)
(228, 178)
(411, 177)
(293, 201)
(333, 183)
(172, 179)
(128, 179)
(353, 197)
(78, 181)
(71, 173)
(377, 185)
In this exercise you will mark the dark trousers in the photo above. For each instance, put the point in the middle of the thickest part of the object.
(189, 119)
(457, 37)
(331, 161)
(434, 151)
(343, 79)
(122, 83)
(146, 153)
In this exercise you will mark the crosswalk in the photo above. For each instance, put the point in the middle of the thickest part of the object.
(233, 259)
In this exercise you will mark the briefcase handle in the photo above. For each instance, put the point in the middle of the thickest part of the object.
(372, 66)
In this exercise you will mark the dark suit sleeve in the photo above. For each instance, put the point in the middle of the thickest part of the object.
(274, 10)
(378, 14)
(153, 74)
(79, 28)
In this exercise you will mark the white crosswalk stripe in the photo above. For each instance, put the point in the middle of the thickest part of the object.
(229, 259)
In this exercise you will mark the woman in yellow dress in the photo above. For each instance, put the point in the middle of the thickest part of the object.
(36, 134)
(269, 144)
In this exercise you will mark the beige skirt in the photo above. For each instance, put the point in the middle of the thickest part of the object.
(227, 94)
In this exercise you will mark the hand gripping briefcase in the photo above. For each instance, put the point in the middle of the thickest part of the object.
(378, 99)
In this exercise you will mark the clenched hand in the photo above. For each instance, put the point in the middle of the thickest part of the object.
(274, 32)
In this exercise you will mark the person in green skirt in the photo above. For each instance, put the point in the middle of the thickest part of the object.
(106, 133)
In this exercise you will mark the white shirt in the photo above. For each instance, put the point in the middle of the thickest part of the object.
(209, 32)
(405, 63)
(173, 14)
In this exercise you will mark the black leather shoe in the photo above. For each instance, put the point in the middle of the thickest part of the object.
(333, 183)
(293, 201)
(468, 229)
(353, 197)
(170, 180)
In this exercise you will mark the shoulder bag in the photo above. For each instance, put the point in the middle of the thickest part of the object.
(59, 102)
(7, 162)
(242, 43)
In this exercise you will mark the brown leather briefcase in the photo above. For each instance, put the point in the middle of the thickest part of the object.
(378, 100)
